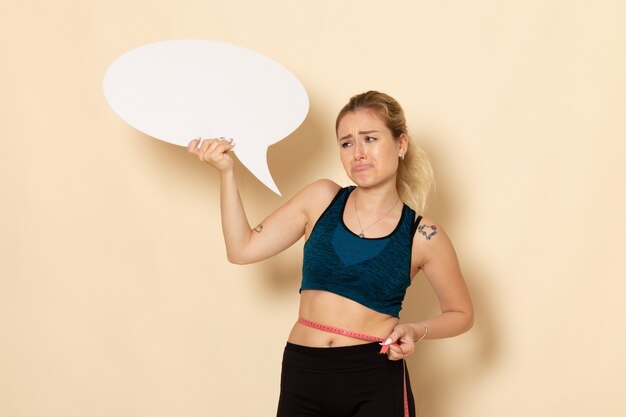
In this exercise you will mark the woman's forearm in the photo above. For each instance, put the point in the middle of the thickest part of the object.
(235, 225)
(447, 324)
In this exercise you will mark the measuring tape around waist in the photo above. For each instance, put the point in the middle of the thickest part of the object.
(362, 336)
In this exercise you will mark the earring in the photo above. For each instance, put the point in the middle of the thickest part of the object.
(402, 157)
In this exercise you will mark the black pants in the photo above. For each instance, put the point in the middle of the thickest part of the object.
(352, 381)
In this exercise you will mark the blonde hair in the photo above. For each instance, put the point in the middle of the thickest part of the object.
(414, 178)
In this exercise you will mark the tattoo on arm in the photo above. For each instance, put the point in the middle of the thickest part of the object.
(258, 228)
(427, 231)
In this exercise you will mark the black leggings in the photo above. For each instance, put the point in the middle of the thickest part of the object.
(351, 381)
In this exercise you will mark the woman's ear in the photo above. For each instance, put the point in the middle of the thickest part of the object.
(403, 144)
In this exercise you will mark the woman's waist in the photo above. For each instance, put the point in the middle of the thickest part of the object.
(319, 336)
(330, 320)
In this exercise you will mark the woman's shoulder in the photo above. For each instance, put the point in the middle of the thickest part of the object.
(316, 196)
(425, 227)
(320, 190)
(430, 239)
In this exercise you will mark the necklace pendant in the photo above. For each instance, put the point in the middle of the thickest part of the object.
(361, 235)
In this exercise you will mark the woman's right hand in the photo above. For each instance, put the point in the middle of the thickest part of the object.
(213, 152)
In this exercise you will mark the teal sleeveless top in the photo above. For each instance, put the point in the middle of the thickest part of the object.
(374, 272)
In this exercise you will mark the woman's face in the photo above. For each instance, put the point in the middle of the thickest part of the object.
(369, 153)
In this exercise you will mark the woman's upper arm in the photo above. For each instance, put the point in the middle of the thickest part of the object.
(434, 251)
(288, 223)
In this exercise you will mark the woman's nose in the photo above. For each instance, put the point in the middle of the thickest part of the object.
(359, 151)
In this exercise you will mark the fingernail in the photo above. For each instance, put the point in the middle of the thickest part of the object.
(387, 342)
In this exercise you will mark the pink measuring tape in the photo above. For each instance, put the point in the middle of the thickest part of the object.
(361, 336)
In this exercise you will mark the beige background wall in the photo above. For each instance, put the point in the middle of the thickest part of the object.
(115, 295)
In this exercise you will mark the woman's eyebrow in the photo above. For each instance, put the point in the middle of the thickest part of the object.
(362, 132)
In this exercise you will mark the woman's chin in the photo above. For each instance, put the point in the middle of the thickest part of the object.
(364, 183)
(367, 181)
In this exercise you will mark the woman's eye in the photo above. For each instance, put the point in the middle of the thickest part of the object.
(370, 139)
(345, 144)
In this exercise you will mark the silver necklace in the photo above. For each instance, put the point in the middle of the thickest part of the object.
(356, 211)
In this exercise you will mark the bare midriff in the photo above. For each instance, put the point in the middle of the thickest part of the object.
(334, 310)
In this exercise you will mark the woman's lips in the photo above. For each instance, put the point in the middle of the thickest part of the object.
(360, 167)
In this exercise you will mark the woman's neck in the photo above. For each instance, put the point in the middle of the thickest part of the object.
(375, 199)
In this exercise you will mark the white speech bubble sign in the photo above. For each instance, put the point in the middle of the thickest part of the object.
(177, 90)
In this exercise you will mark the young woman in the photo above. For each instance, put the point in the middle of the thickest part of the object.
(364, 244)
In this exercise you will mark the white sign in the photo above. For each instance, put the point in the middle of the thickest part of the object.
(178, 90)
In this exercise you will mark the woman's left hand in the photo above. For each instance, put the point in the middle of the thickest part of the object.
(401, 341)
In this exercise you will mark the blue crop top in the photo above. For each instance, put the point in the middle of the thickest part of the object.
(374, 272)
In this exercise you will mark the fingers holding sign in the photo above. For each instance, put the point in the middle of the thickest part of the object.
(214, 152)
